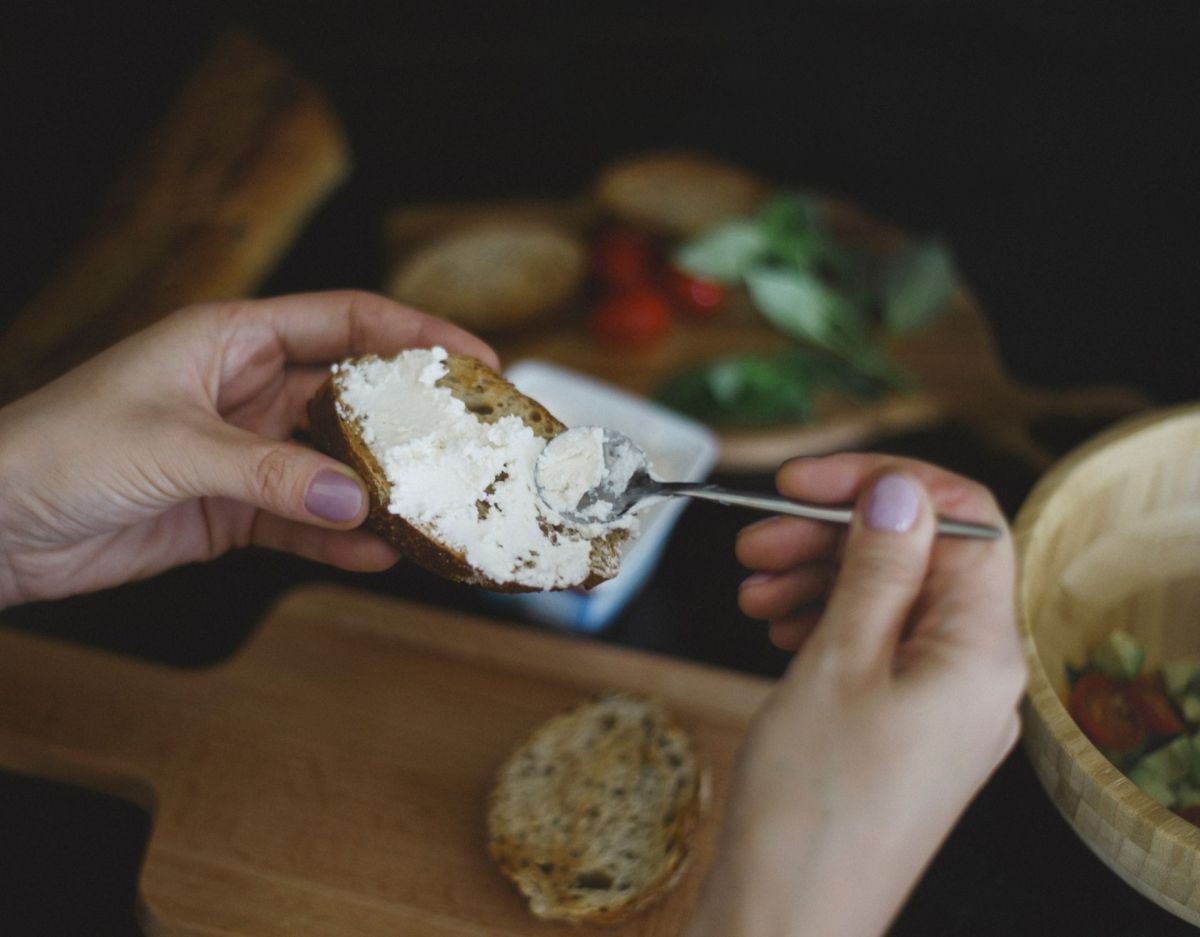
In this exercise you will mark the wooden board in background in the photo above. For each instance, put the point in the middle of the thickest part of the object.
(331, 779)
(955, 360)
(214, 198)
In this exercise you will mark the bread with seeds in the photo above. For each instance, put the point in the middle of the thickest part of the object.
(447, 448)
(594, 815)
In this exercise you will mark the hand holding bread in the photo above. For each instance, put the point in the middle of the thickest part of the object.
(174, 445)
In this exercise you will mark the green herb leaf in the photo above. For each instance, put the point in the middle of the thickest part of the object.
(725, 253)
(757, 390)
(917, 285)
(795, 230)
(744, 390)
(799, 304)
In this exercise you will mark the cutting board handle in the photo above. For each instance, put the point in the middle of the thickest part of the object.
(86, 717)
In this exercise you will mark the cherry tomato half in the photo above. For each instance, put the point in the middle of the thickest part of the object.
(1153, 708)
(635, 319)
(623, 258)
(1104, 713)
(696, 296)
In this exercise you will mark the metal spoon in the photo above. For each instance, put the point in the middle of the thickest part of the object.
(626, 483)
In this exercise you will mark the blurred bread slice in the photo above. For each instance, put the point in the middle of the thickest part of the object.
(593, 816)
(495, 275)
(413, 226)
(677, 195)
(338, 430)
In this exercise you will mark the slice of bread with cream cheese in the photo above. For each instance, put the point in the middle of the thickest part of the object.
(448, 449)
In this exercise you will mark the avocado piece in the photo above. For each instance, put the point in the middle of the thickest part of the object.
(1120, 655)
(1150, 782)
(1190, 707)
(1187, 794)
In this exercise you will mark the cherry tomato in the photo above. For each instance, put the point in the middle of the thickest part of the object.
(1104, 713)
(696, 296)
(1153, 707)
(635, 319)
(1191, 814)
(623, 258)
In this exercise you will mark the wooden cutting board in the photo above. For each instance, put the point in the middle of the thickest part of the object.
(331, 778)
(954, 361)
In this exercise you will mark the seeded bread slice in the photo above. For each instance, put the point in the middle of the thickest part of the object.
(489, 396)
(678, 195)
(493, 276)
(593, 816)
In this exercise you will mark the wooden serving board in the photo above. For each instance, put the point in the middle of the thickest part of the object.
(954, 361)
(331, 778)
(213, 199)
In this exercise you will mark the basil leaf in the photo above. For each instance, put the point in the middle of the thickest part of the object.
(917, 285)
(725, 253)
(757, 390)
(794, 230)
(744, 390)
(800, 305)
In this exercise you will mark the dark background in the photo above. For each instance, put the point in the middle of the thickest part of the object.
(1054, 145)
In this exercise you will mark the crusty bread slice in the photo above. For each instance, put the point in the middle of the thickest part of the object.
(490, 397)
(493, 276)
(677, 195)
(593, 816)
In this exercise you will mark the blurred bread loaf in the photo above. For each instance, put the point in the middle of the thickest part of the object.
(493, 275)
(447, 448)
(593, 816)
(677, 195)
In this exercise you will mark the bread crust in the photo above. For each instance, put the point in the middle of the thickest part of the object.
(546, 876)
(489, 396)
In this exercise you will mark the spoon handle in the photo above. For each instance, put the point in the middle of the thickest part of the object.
(818, 512)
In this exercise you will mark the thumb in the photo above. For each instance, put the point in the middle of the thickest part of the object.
(284, 478)
(885, 559)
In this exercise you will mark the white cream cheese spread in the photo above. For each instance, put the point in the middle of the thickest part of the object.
(571, 466)
(463, 482)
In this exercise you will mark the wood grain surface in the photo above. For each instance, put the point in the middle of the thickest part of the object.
(217, 194)
(1111, 538)
(331, 778)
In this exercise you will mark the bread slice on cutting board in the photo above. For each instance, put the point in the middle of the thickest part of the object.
(493, 276)
(447, 448)
(677, 195)
(593, 816)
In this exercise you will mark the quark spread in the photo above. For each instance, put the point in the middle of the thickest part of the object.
(571, 466)
(463, 482)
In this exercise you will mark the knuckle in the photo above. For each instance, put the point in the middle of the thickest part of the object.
(877, 566)
(271, 477)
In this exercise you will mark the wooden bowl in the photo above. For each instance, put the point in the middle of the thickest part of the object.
(1111, 537)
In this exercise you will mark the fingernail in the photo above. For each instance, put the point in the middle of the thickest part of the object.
(893, 504)
(333, 496)
(756, 579)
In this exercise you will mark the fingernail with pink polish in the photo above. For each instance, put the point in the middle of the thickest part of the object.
(333, 496)
(893, 504)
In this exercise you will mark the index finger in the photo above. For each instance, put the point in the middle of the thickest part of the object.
(315, 328)
(838, 479)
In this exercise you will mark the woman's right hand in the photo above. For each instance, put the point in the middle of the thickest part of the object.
(899, 704)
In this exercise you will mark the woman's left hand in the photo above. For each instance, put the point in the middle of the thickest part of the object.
(174, 445)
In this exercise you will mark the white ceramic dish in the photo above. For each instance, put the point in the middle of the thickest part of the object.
(679, 449)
